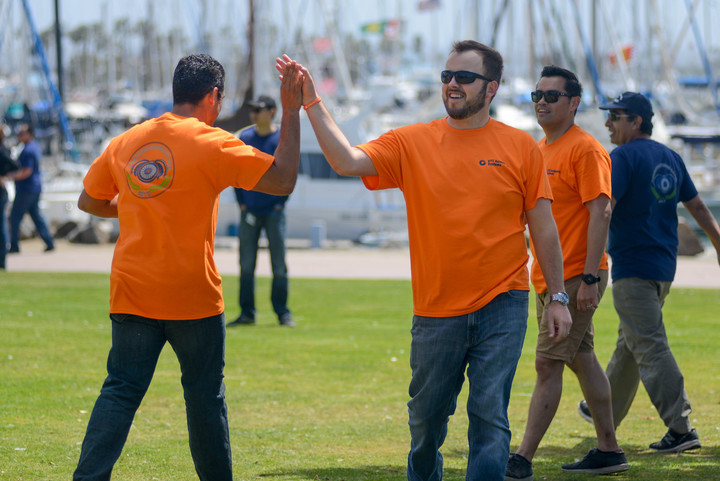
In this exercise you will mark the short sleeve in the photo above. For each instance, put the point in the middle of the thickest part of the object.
(593, 175)
(241, 165)
(99, 182)
(537, 185)
(385, 154)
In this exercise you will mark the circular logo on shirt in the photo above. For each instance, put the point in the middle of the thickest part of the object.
(664, 183)
(150, 170)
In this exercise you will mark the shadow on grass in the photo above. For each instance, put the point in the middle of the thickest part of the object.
(645, 464)
(355, 473)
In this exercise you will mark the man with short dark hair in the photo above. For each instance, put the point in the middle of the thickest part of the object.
(470, 183)
(162, 180)
(28, 187)
(648, 181)
(262, 212)
(578, 168)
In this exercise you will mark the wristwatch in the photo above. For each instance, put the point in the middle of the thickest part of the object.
(561, 297)
(590, 279)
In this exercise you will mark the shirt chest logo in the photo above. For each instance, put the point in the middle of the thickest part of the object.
(150, 170)
(491, 163)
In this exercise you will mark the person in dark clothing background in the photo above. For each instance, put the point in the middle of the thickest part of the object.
(258, 212)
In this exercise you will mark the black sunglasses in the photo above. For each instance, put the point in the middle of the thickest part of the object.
(256, 110)
(613, 117)
(461, 76)
(551, 96)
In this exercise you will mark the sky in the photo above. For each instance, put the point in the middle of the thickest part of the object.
(438, 27)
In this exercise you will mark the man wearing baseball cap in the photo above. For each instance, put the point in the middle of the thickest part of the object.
(648, 181)
(262, 212)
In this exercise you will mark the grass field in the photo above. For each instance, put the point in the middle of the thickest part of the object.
(324, 401)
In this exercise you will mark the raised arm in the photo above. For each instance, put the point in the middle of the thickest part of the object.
(549, 255)
(345, 159)
(705, 220)
(280, 178)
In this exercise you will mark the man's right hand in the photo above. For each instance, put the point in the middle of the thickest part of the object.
(309, 92)
(559, 321)
(291, 88)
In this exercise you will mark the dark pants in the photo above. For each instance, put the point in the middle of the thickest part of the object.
(27, 203)
(250, 228)
(3, 227)
(199, 345)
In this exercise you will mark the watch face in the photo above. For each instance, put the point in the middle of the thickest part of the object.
(561, 297)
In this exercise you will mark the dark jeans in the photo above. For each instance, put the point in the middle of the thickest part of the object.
(199, 345)
(250, 228)
(487, 343)
(27, 203)
(3, 227)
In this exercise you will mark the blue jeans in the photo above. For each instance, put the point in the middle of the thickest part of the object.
(27, 203)
(199, 345)
(3, 227)
(250, 229)
(488, 343)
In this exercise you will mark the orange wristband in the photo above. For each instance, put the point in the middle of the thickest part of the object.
(316, 101)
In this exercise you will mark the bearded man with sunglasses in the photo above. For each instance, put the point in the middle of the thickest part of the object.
(578, 167)
(469, 184)
(648, 181)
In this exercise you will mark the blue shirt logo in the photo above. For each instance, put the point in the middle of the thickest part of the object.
(664, 183)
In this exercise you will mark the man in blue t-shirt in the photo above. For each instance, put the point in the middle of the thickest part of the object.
(648, 181)
(27, 191)
(258, 212)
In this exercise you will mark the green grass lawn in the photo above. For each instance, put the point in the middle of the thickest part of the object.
(324, 401)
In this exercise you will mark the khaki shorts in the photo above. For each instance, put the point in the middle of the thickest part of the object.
(581, 334)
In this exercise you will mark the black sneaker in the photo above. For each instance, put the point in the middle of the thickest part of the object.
(584, 411)
(518, 468)
(242, 321)
(598, 462)
(674, 442)
(286, 320)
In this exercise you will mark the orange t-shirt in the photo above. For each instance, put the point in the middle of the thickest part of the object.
(466, 192)
(578, 168)
(168, 173)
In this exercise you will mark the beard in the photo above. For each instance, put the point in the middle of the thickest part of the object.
(471, 107)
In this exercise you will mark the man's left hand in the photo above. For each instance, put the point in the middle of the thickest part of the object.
(587, 297)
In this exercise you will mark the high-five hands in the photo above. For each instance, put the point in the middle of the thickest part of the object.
(292, 85)
(309, 93)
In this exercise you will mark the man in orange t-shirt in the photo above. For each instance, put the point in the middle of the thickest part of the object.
(578, 168)
(469, 184)
(162, 180)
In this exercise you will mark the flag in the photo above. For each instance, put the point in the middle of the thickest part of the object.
(425, 5)
(387, 28)
(322, 44)
(627, 53)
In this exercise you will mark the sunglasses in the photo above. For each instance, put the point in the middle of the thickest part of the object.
(461, 76)
(551, 96)
(613, 117)
(256, 110)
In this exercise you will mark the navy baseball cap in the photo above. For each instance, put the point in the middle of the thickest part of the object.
(633, 103)
(263, 102)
